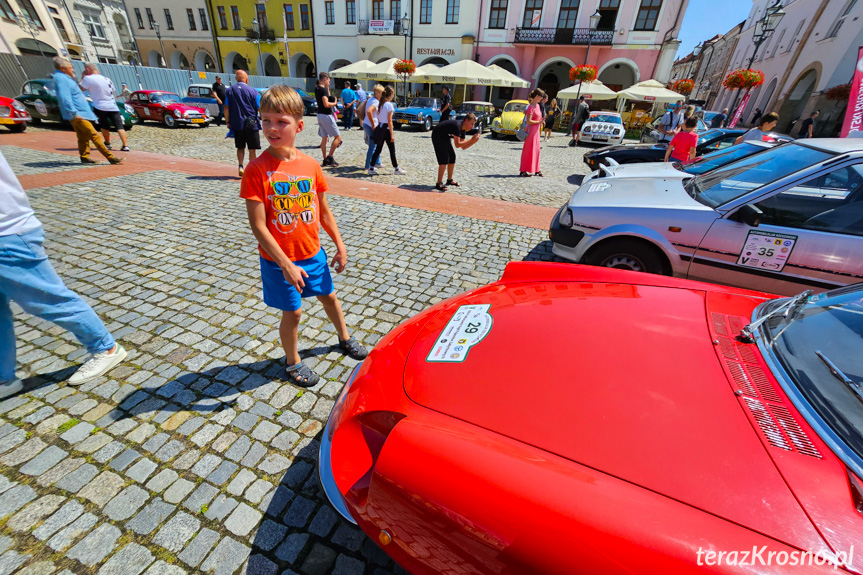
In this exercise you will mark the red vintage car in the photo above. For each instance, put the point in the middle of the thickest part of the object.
(577, 420)
(13, 114)
(168, 108)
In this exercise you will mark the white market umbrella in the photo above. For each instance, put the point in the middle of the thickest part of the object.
(650, 91)
(466, 72)
(421, 76)
(384, 71)
(352, 71)
(507, 76)
(595, 90)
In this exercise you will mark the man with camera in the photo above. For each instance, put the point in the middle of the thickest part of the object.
(444, 135)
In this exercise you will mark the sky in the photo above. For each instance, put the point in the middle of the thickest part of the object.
(703, 21)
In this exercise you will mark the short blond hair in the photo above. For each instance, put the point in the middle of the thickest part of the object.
(378, 90)
(282, 99)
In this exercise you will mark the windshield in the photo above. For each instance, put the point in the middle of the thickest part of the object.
(165, 98)
(607, 118)
(422, 103)
(718, 159)
(739, 178)
(819, 348)
(465, 108)
(515, 107)
(709, 136)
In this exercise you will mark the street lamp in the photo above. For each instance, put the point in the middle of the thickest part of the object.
(594, 23)
(159, 36)
(406, 22)
(28, 25)
(257, 41)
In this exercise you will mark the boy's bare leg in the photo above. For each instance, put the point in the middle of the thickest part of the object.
(324, 147)
(333, 308)
(288, 332)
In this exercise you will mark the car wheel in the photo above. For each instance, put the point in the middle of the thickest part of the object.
(428, 125)
(205, 125)
(169, 120)
(18, 128)
(139, 120)
(36, 121)
(626, 254)
(494, 135)
(128, 127)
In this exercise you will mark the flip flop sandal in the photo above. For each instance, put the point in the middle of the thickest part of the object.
(524, 175)
(301, 375)
(440, 187)
(353, 348)
(452, 183)
(539, 174)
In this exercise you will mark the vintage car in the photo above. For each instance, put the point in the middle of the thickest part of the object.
(484, 112)
(708, 141)
(602, 128)
(650, 132)
(202, 96)
(13, 115)
(730, 426)
(509, 121)
(784, 219)
(422, 112)
(40, 98)
(310, 105)
(168, 108)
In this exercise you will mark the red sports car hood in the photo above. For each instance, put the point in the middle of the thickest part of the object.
(185, 108)
(618, 377)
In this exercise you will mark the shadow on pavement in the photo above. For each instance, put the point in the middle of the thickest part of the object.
(52, 163)
(216, 178)
(575, 179)
(419, 188)
(541, 252)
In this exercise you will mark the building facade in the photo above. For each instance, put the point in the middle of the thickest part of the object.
(813, 49)
(103, 29)
(684, 68)
(173, 34)
(36, 27)
(714, 59)
(540, 40)
(271, 38)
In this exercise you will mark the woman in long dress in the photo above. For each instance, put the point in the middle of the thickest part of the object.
(530, 151)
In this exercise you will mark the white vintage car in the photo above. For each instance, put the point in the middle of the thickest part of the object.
(602, 128)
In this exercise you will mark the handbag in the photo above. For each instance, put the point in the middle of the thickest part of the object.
(250, 123)
(521, 134)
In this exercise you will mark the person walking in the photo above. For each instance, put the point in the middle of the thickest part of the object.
(684, 142)
(349, 100)
(530, 151)
(766, 123)
(219, 93)
(670, 123)
(808, 125)
(719, 119)
(756, 116)
(327, 126)
(125, 92)
(551, 117)
(101, 91)
(370, 122)
(385, 132)
(75, 110)
(443, 136)
(241, 115)
(582, 113)
(29, 279)
(446, 105)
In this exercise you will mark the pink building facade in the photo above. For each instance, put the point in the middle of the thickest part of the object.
(540, 40)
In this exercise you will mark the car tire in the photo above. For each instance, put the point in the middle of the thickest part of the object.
(427, 125)
(627, 254)
(169, 121)
(36, 121)
(494, 135)
(139, 120)
(18, 128)
(205, 125)
(129, 127)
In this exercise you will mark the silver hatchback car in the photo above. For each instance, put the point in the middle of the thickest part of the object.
(779, 221)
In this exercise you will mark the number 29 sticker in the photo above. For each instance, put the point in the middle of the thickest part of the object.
(468, 326)
(766, 250)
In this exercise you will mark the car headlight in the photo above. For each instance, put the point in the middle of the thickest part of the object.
(617, 131)
(587, 129)
(566, 218)
(496, 122)
(420, 116)
(18, 106)
(177, 113)
(129, 109)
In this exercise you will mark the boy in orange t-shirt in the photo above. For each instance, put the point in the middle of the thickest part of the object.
(284, 192)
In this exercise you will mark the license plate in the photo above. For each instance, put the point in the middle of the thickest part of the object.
(7, 121)
(404, 121)
(197, 121)
(508, 132)
(601, 138)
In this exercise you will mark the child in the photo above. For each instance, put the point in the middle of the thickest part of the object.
(682, 145)
(284, 191)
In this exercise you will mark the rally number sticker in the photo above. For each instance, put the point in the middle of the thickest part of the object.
(40, 107)
(468, 326)
(766, 250)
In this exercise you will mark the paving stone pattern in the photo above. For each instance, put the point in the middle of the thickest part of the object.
(193, 455)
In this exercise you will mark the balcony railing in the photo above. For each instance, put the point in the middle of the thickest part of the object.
(363, 28)
(562, 36)
(265, 34)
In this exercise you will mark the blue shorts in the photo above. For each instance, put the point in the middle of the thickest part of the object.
(278, 293)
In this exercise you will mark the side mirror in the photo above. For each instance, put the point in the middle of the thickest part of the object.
(749, 215)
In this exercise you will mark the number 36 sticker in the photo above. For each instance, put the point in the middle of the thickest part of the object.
(468, 326)
(766, 250)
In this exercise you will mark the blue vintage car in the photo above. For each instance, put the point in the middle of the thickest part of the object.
(422, 112)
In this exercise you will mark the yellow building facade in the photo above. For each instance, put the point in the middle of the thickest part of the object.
(252, 36)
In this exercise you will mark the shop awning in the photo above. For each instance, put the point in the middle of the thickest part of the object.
(595, 90)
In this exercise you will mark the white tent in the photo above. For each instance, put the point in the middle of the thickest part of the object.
(507, 76)
(466, 72)
(384, 71)
(352, 70)
(650, 91)
(595, 90)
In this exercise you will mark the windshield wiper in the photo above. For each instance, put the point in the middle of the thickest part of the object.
(789, 305)
(834, 369)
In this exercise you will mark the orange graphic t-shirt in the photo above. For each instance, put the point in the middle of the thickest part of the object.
(289, 192)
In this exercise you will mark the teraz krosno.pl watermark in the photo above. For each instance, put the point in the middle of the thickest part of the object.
(761, 556)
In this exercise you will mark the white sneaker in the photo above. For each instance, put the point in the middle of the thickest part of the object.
(400, 172)
(97, 365)
(381, 165)
(373, 172)
(10, 388)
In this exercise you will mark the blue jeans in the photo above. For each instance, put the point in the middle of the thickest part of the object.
(348, 117)
(370, 133)
(27, 277)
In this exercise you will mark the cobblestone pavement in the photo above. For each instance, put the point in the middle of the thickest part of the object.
(193, 455)
(489, 169)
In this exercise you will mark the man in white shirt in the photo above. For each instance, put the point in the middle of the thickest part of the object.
(671, 122)
(104, 98)
(29, 279)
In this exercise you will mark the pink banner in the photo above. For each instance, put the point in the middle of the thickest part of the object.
(854, 112)
(739, 111)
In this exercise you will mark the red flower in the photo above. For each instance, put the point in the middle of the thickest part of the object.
(743, 79)
(683, 86)
(583, 73)
(838, 93)
(405, 67)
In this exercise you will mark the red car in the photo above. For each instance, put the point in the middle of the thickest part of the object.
(577, 420)
(13, 115)
(168, 108)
